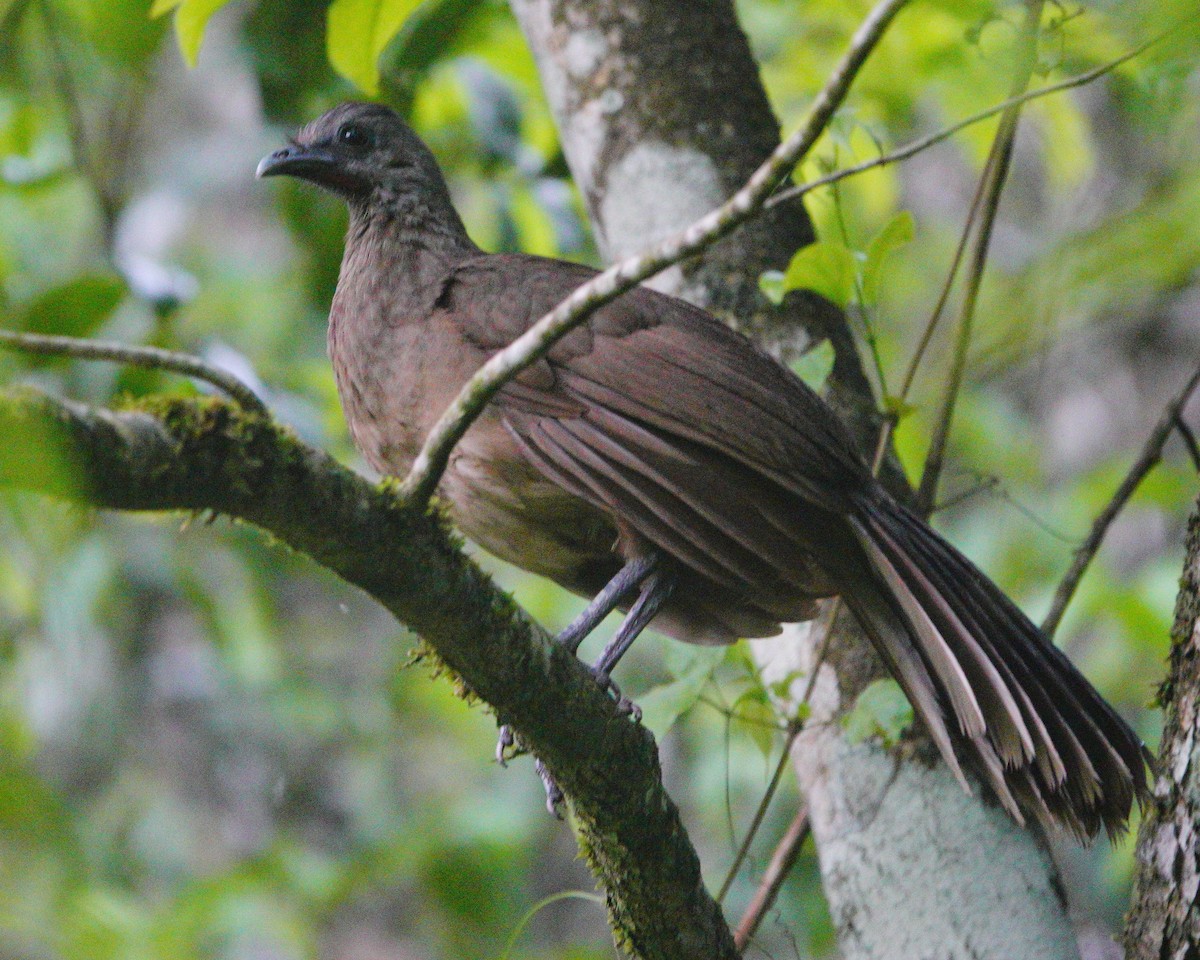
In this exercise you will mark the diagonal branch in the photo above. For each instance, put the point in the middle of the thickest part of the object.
(427, 469)
(1151, 454)
(782, 861)
(995, 175)
(931, 140)
(207, 455)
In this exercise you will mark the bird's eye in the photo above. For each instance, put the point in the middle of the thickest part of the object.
(352, 135)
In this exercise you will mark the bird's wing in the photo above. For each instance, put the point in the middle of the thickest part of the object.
(661, 361)
(658, 413)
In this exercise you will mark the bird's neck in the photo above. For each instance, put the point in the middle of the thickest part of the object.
(410, 248)
(404, 220)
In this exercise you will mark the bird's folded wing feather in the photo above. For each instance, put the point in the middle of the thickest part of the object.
(666, 364)
(655, 411)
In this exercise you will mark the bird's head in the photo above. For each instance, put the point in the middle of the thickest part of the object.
(364, 153)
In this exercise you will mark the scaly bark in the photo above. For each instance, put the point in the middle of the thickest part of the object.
(1164, 922)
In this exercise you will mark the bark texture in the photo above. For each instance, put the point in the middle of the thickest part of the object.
(1164, 922)
(662, 115)
(912, 865)
(208, 456)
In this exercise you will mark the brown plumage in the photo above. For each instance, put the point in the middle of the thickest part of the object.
(655, 432)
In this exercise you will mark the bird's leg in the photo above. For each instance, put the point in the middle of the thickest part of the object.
(656, 590)
(628, 578)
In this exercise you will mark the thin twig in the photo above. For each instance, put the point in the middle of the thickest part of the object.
(864, 313)
(84, 156)
(782, 861)
(535, 342)
(795, 728)
(895, 409)
(730, 714)
(982, 485)
(991, 482)
(924, 143)
(910, 375)
(1150, 456)
(995, 174)
(151, 357)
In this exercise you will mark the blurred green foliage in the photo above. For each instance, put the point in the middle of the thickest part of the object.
(210, 748)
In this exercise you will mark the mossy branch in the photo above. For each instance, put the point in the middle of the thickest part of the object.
(209, 455)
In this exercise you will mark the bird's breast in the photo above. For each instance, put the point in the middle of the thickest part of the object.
(501, 502)
(395, 376)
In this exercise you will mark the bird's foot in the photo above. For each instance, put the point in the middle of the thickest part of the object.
(504, 743)
(624, 704)
(506, 749)
(554, 794)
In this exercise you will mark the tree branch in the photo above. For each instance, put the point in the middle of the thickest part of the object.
(535, 342)
(782, 861)
(1150, 456)
(933, 139)
(206, 455)
(154, 358)
(995, 174)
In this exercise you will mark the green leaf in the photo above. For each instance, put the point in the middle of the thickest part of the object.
(76, 308)
(881, 710)
(825, 268)
(896, 233)
(759, 720)
(357, 31)
(772, 286)
(191, 17)
(814, 365)
(120, 30)
(666, 703)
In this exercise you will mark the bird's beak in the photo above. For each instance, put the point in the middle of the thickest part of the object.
(308, 163)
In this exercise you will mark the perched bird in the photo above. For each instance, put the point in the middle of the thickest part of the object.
(661, 463)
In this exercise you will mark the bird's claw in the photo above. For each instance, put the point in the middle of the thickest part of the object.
(504, 743)
(624, 704)
(554, 794)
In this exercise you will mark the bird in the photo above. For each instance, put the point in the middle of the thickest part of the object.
(658, 462)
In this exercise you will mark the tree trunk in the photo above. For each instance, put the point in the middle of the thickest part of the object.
(662, 115)
(1164, 922)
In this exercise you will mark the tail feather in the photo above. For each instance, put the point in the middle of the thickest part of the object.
(971, 661)
(1061, 714)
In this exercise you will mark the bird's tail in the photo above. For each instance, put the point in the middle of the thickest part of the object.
(988, 684)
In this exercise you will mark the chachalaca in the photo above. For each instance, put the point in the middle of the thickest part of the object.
(660, 463)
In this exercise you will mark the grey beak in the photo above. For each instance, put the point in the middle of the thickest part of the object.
(309, 163)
